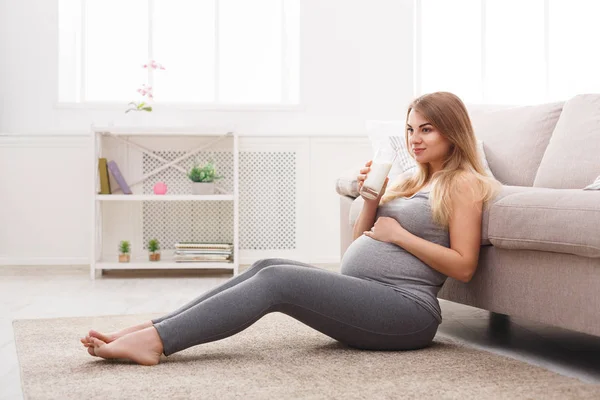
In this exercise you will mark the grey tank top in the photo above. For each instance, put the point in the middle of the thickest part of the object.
(390, 264)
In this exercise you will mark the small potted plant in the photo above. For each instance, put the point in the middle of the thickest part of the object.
(203, 178)
(124, 250)
(153, 248)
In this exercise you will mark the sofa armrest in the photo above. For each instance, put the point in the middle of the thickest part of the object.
(556, 220)
(346, 227)
(347, 184)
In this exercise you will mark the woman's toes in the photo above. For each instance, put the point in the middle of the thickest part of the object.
(143, 347)
(101, 336)
(90, 347)
(100, 348)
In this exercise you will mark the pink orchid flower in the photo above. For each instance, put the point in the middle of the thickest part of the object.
(154, 65)
(145, 90)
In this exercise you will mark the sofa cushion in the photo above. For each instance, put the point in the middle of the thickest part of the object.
(506, 190)
(358, 203)
(515, 139)
(572, 159)
(560, 221)
(594, 185)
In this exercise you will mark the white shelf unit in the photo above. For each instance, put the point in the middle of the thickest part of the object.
(153, 197)
(166, 262)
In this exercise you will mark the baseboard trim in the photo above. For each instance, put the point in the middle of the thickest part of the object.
(48, 261)
(62, 261)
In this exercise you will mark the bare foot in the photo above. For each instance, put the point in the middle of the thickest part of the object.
(143, 347)
(111, 337)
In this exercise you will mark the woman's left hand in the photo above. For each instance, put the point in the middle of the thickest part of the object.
(386, 229)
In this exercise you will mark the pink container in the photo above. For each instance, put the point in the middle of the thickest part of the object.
(160, 188)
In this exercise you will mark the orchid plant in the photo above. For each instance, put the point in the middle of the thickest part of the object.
(145, 91)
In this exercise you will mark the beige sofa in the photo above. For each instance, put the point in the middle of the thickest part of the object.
(540, 254)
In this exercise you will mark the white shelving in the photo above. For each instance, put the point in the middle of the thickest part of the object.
(158, 130)
(143, 263)
(166, 197)
(166, 262)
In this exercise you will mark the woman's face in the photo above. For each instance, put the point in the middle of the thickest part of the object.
(422, 135)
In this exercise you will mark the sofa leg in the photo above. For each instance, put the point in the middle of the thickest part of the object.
(499, 327)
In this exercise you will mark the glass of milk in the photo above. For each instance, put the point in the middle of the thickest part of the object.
(380, 168)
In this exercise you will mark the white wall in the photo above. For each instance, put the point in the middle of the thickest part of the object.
(356, 64)
(46, 198)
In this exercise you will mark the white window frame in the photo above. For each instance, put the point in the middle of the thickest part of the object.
(418, 58)
(216, 105)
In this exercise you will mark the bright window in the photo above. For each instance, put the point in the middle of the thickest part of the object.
(574, 65)
(450, 62)
(508, 52)
(213, 51)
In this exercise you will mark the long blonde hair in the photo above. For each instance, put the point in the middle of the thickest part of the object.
(448, 114)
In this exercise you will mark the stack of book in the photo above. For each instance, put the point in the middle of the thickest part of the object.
(203, 252)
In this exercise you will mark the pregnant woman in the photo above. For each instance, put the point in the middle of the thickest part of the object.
(422, 229)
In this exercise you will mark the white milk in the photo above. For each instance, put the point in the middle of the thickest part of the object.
(375, 179)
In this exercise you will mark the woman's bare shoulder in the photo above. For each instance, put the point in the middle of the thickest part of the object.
(466, 182)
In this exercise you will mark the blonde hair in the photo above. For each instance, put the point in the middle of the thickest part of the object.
(448, 114)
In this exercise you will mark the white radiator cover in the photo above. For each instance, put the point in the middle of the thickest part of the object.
(267, 202)
(288, 204)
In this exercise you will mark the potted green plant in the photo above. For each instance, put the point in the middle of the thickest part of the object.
(124, 251)
(153, 248)
(203, 178)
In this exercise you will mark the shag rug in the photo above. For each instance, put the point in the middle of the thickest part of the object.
(276, 358)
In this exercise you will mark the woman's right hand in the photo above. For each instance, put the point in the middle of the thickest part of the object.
(361, 180)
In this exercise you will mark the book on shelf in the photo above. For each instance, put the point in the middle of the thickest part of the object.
(103, 174)
(203, 251)
(116, 173)
(201, 258)
(203, 245)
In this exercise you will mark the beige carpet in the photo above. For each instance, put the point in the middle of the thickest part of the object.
(276, 358)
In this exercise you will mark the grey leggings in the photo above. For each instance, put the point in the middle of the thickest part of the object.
(357, 312)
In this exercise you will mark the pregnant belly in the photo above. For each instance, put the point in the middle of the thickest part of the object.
(364, 257)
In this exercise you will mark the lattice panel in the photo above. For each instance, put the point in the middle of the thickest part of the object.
(267, 202)
(185, 221)
(177, 182)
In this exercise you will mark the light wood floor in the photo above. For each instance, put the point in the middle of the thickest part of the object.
(50, 292)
